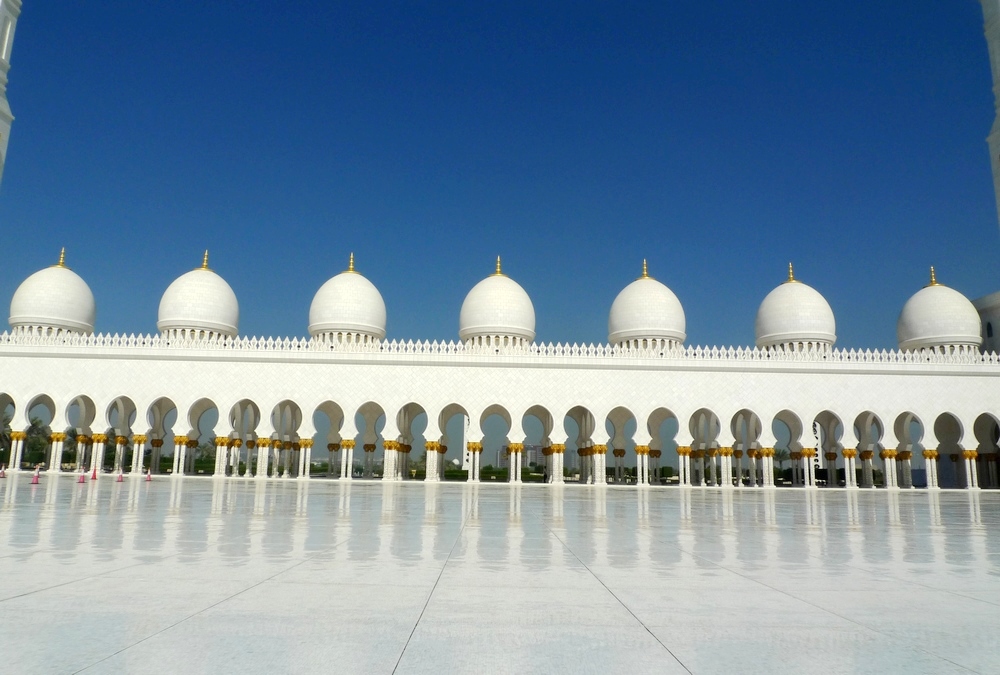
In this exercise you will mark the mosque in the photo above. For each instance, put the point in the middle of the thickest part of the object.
(925, 414)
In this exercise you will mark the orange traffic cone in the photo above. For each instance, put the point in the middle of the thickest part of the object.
(149, 475)
(93, 476)
(120, 478)
(83, 477)
(34, 477)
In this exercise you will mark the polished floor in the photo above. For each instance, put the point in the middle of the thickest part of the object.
(199, 575)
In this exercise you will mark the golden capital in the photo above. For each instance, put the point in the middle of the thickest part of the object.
(178, 440)
(600, 449)
(348, 444)
(369, 447)
(237, 443)
(849, 453)
(431, 446)
(306, 443)
(100, 438)
(333, 447)
(277, 444)
(558, 448)
(139, 439)
(221, 441)
(156, 443)
(263, 443)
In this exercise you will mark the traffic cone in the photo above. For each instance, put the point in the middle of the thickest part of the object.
(93, 476)
(3, 472)
(120, 478)
(149, 475)
(34, 477)
(83, 477)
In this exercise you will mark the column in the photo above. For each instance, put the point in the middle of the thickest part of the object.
(55, 456)
(307, 450)
(138, 443)
(233, 457)
(180, 444)
(389, 460)
(368, 470)
(850, 470)
(189, 455)
(867, 472)
(809, 467)
(600, 472)
(249, 467)
(767, 467)
(971, 469)
(16, 446)
(905, 469)
(654, 474)
(347, 459)
(683, 465)
(558, 457)
(738, 454)
(751, 468)
(475, 449)
(931, 467)
(263, 451)
(888, 468)
(154, 458)
(97, 457)
(514, 472)
(430, 462)
(642, 465)
(120, 443)
(221, 456)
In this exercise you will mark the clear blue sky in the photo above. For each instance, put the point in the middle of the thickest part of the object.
(719, 139)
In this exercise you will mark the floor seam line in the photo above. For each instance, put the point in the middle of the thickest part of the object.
(617, 599)
(427, 602)
(807, 602)
(212, 606)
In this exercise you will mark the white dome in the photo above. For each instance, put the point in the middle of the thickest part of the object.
(794, 313)
(938, 316)
(497, 307)
(55, 297)
(199, 304)
(646, 310)
(350, 304)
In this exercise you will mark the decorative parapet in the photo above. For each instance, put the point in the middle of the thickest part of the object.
(123, 344)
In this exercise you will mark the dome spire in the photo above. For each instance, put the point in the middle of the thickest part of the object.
(204, 260)
(934, 281)
(499, 272)
(350, 262)
(62, 258)
(645, 270)
(791, 275)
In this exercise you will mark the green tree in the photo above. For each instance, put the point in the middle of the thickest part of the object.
(36, 444)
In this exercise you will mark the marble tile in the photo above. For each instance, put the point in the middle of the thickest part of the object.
(201, 576)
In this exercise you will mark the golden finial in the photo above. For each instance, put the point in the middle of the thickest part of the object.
(645, 269)
(350, 263)
(204, 261)
(499, 272)
(791, 275)
(934, 281)
(62, 258)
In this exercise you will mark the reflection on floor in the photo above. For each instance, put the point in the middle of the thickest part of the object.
(204, 576)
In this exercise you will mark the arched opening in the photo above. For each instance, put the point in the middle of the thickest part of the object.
(909, 431)
(581, 420)
(868, 431)
(370, 418)
(788, 448)
(828, 430)
(621, 425)
(746, 430)
(453, 422)
(952, 468)
(411, 420)
(161, 417)
(244, 417)
(663, 426)
(495, 423)
(537, 424)
(79, 444)
(987, 431)
(120, 417)
(285, 455)
(328, 419)
(36, 449)
(704, 426)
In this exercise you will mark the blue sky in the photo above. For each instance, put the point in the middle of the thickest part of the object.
(718, 139)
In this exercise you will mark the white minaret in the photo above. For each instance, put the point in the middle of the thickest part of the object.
(9, 11)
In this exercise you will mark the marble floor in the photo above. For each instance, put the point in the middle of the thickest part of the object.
(197, 575)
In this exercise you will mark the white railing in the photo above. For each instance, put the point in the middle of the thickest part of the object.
(417, 348)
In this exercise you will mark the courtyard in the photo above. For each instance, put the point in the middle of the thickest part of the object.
(202, 575)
